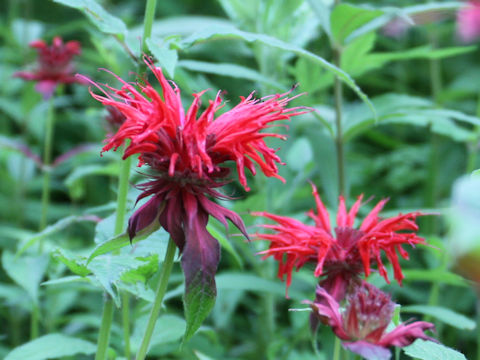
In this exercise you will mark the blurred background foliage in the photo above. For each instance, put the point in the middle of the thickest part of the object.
(423, 83)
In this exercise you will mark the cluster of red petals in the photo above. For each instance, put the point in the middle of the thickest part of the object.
(363, 323)
(177, 142)
(187, 151)
(340, 255)
(54, 65)
(468, 21)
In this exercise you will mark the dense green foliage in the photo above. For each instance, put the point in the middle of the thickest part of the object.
(410, 129)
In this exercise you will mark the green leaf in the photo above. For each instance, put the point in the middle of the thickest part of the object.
(54, 228)
(232, 33)
(446, 315)
(80, 172)
(201, 356)
(27, 271)
(166, 57)
(52, 346)
(428, 350)
(75, 265)
(103, 20)
(347, 18)
(230, 70)
(198, 301)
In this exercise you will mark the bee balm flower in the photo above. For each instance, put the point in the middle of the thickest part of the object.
(468, 21)
(187, 152)
(362, 324)
(54, 65)
(342, 255)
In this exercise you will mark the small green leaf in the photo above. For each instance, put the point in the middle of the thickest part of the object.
(75, 265)
(27, 271)
(168, 328)
(166, 57)
(448, 316)
(52, 346)
(105, 22)
(428, 350)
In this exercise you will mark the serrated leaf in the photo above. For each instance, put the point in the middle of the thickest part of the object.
(428, 350)
(232, 33)
(445, 315)
(166, 57)
(52, 346)
(103, 20)
(76, 266)
(27, 271)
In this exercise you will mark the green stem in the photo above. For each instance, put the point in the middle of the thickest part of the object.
(148, 22)
(119, 222)
(104, 334)
(34, 322)
(337, 348)
(47, 158)
(338, 97)
(107, 312)
(473, 146)
(157, 304)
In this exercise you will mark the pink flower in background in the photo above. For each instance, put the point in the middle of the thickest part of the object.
(54, 65)
(362, 324)
(468, 21)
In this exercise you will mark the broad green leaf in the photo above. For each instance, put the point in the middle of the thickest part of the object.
(445, 315)
(230, 70)
(346, 18)
(53, 229)
(231, 33)
(105, 22)
(52, 346)
(27, 271)
(428, 350)
(168, 328)
(322, 12)
(202, 356)
(75, 265)
(166, 57)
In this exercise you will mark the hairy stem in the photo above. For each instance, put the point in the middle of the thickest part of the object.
(157, 304)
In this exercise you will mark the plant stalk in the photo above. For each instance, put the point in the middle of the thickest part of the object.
(473, 146)
(47, 158)
(338, 99)
(148, 22)
(107, 312)
(104, 334)
(157, 304)
(337, 348)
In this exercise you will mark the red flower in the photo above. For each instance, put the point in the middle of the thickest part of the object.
(468, 21)
(54, 65)
(187, 153)
(363, 323)
(341, 257)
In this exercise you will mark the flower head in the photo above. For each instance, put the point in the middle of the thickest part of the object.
(342, 255)
(54, 65)
(468, 21)
(362, 324)
(186, 152)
